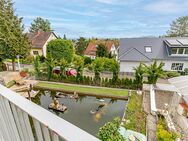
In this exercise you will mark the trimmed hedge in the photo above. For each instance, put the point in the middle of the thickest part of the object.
(86, 80)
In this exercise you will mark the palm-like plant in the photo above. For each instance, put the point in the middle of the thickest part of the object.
(139, 72)
(154, 71)
(78, 65)
(50, 64)
(63, 65)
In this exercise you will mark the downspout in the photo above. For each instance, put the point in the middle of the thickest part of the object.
(152, 100)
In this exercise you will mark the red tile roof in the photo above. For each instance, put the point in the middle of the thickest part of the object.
(38, 39)
(92, 47)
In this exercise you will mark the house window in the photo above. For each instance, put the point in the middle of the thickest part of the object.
(148, 49)
(174, 50)
(186, 51)
(180, 51)
(35, 52)
(177, 66)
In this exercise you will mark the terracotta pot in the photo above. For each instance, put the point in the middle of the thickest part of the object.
(23, 74)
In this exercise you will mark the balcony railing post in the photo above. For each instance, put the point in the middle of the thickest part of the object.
(46, 133)
(6, 113)
(38, 130)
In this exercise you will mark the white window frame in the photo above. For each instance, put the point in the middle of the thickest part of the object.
(148, 49)
(177, 66)
(177, 51)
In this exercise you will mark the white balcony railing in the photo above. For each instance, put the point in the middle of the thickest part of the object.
(23, 120)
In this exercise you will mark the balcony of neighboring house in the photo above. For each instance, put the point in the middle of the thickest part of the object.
(23, 120)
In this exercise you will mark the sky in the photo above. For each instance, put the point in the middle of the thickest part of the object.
(104, 18)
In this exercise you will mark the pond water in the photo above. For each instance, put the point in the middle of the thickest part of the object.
(80, 113)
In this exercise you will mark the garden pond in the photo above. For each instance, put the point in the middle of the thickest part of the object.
(82, 111)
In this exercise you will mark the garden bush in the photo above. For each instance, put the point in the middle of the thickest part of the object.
(186, 71)
(170, 74)
(162, 132)
(109, 132)
(87, 80)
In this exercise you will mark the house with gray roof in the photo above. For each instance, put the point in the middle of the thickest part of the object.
(173, 52)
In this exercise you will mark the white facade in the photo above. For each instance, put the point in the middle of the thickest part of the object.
(128, 66)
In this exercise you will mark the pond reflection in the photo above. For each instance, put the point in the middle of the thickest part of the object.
(88, 113)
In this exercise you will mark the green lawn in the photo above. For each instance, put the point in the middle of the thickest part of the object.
(77, 88)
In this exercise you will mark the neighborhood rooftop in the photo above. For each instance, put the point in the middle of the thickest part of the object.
(135, 49)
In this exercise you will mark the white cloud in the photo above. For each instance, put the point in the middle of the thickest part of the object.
(32, 17)
(167, 6)
(87, 13)
(106, 1)
(119, 2)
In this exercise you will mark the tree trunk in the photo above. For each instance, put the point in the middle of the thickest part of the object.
(13, 64)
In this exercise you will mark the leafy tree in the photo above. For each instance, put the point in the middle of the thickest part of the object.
(98, 66)
(101, 51)
(78, 64)
(37, 65)
(179, 27)
(81, 45)
(87, 60)
(61, 49)
(13, 41)
(154, 71)
(139, 72)
(40, 24)
(113, 66)
(109, 132)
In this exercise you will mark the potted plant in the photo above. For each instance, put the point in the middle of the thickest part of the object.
(24, 72)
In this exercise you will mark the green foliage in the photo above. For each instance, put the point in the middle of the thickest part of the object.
(186, 71)
(78, 65)
(139, 72)
(37, 66)
(101, 51)
(81, 45)
(63, 65)
(13, 41)
(61, 49)
(50, 64)
(98, 66)
(170, 74)
(113, 66)
(42, 58)
(179, 27)
(40, 24)
(154, 72)
(109, 132)
(135, 115)
(163, 134)
(2, 65)
(87, 61)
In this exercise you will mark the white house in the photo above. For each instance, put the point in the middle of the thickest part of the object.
(92, 48)
(39, 41)
(173, 52)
